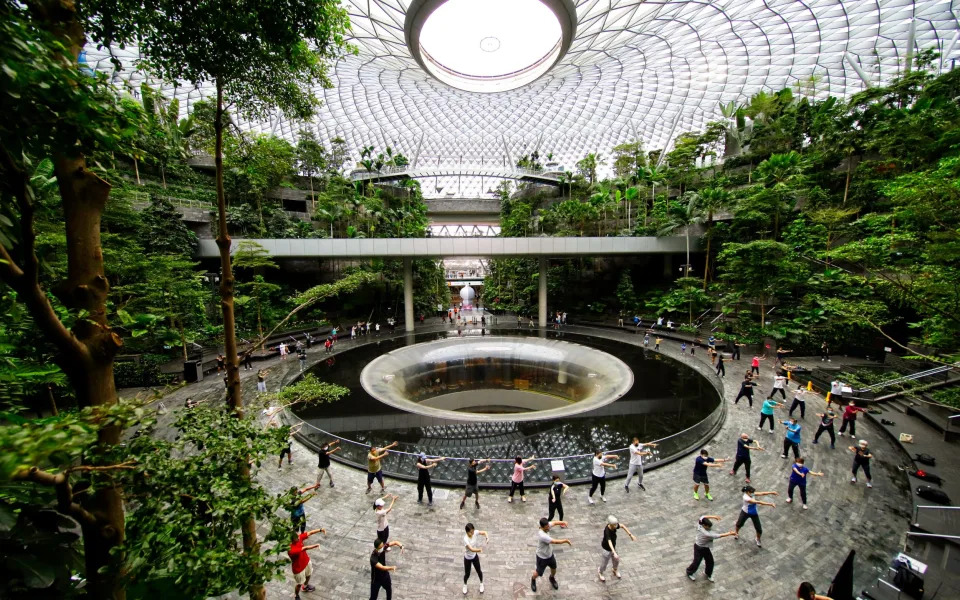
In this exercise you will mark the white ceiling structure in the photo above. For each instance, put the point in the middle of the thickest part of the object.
(635, 69)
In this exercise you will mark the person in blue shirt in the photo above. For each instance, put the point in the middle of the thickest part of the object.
(792, 439)
(297, 514)
(798, 478)
(749, 510)
(766, 412)
(700, 472)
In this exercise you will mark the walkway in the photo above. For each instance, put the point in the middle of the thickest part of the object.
(798, 545)
(412, 172)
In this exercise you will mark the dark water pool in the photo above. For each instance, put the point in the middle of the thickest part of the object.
(667, 397)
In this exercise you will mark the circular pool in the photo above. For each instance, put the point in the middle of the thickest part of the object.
(481, 379)
(553, 395)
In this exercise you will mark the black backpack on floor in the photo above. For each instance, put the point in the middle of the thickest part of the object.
(908, 581)
(933, 494)
(926, 459)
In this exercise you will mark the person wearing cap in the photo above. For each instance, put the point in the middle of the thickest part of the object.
(381, 510)
(300, 560)
(545, 557)
(826, 425)
(861, 458)
(424, 465)
(703, 546)
(608, 547)
(471, 551)
(379, 571)
(374, 471)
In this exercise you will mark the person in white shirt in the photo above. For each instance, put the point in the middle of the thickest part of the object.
(383, 527)
(779, 383)
(637, 452)
(471, 550)
(545, 557)
(599, 474)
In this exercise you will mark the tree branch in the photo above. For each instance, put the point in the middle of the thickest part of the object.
(59, 482)
(24, 279)
(130, 464)
(901, 346)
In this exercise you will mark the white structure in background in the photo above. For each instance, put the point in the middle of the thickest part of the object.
(467, 295)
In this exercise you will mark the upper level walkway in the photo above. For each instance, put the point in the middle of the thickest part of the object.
(411, 172)
(440, 247)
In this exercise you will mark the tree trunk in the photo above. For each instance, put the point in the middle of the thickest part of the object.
(90, 368)
(183, 340)
(846, 187)
(163, 176)
(763, 315)
(251, 544)
(260, 324)
(51, 401)
(136, 170)
(706, 261)
(313, 197)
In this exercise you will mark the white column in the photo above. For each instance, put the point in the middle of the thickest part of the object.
(542, 314)
(408, 294)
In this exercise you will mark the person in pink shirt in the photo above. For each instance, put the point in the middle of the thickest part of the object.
(516, 480)
(755, 364)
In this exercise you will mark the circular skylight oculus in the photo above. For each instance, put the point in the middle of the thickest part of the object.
(489, 46)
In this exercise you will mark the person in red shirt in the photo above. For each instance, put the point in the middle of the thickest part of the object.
(300, 560)
(850, 418)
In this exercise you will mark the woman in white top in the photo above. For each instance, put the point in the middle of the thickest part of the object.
(599, 475)
(383, 527)
(779, 383)
(471, 549)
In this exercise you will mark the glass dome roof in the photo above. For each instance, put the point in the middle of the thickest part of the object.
(636, 69)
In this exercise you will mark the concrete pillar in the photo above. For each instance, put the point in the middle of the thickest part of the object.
(542, 313)
(408, 294)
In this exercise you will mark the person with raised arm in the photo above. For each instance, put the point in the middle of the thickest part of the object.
(798, 478)
(545, 557)
(599, 474)
(424, 465)
(374, 470)
(749, 510)
(471, 554)
(703, 546)
(323, 460)
(473, 485)
(861, 459)
(700, 466)
(743, 454)
(381, 510)
(520, 467)
(608, 547)
(379, 571)
(298, 516)
(637, 452)
(300, 561)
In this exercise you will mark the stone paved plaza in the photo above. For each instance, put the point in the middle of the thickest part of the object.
(798, 544)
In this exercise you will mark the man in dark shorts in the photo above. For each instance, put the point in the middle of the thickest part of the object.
(700, 472)
(473, 487)
(323, 461)
(545, 557)
(374, 471)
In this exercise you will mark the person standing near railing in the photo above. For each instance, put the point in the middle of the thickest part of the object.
(637, 452)
(323, 460)
(473, 486)
(599, 474)
(516, 480)
(424, 465)
(374, 471)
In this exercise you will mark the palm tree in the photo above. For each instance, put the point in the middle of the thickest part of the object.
(684, 216)
(712, 199)
(781, 173)
(653, 176)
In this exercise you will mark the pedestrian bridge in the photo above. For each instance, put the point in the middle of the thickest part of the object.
(410, 172)
(409, 249)
(455, 246)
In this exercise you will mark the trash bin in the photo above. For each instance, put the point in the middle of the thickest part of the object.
(193, 371)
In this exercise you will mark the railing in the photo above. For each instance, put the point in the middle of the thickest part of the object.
(910, 377)
(466, 170)
(144, 198)
(401, 461)
(918, 507)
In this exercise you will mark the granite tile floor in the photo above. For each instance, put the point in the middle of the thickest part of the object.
(797, 544)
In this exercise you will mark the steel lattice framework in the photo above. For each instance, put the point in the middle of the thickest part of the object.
(635, 70)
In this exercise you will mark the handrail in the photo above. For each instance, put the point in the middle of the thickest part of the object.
(917, 507)
(910, 377)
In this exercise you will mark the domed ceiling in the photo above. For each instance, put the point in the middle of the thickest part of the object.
(633, 70)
